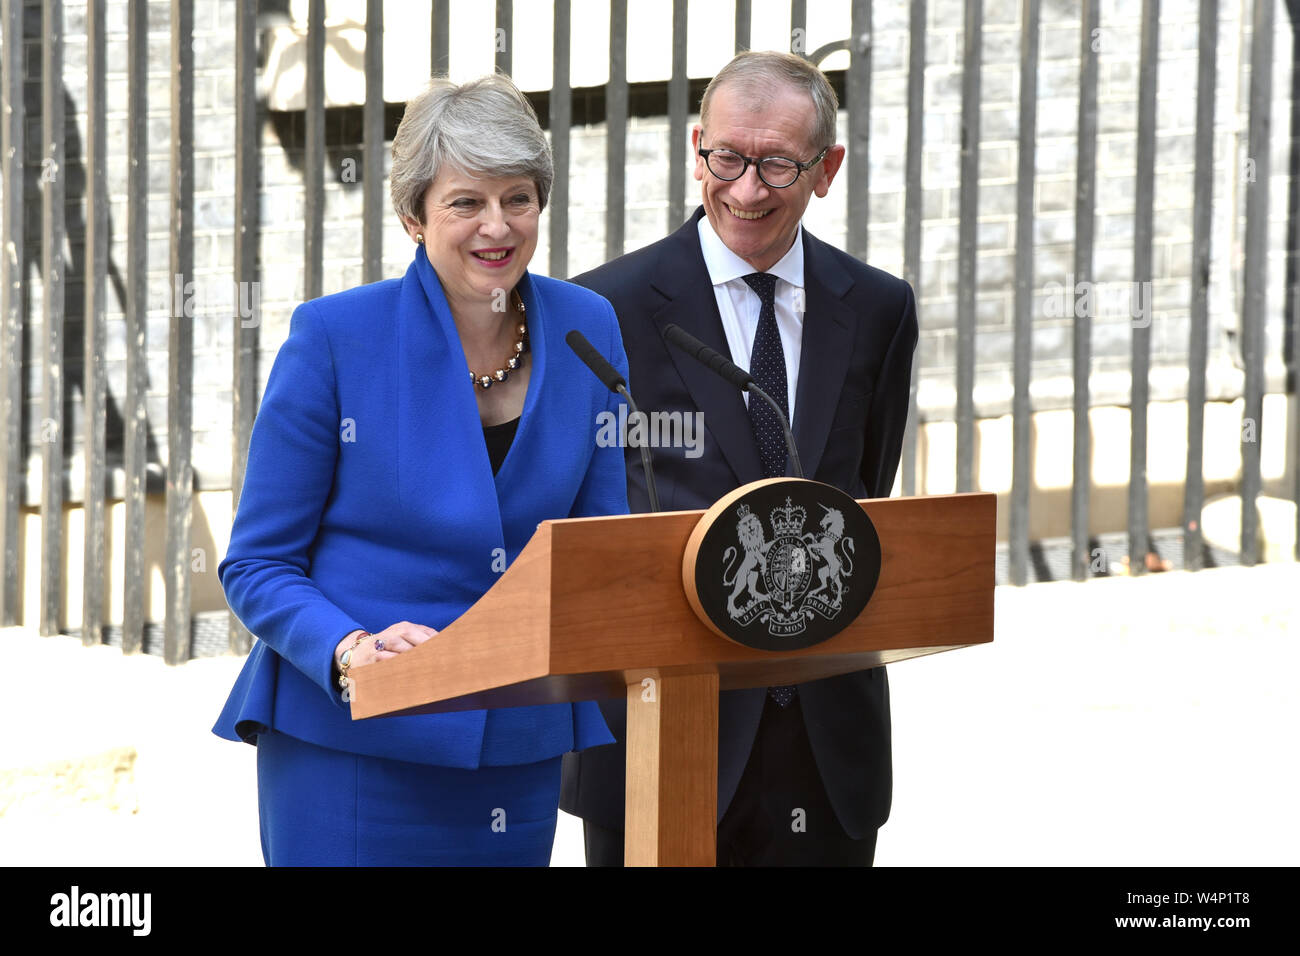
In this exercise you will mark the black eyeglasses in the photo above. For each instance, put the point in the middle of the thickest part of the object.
(775, 171)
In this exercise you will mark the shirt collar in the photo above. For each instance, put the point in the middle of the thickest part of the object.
(725, 266)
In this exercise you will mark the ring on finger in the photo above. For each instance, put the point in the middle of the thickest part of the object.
(379, 644)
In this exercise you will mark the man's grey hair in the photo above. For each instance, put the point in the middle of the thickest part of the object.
(485, 127)
(756, 73)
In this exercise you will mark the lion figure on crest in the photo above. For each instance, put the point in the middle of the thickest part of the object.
(750, 532)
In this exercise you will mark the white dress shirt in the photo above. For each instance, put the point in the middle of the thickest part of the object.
(739, 305)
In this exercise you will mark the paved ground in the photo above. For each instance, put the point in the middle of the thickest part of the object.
(1147, 721)
(1123, 722)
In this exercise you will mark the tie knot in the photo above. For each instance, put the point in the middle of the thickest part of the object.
(763, 283)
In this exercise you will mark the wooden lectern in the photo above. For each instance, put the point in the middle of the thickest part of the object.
(594, 608)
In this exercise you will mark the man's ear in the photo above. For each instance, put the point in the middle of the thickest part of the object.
(826, 170)
(696, 132)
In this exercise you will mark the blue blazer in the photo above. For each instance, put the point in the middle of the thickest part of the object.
(369, 499)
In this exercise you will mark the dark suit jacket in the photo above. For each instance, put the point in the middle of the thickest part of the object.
(850, 410)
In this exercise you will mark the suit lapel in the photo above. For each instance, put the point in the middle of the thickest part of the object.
(444, 471)
(527, 447)
(824, 359)
(684, 281)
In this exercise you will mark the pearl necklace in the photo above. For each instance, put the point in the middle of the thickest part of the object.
(515, 361)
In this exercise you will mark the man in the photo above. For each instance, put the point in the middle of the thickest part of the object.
(804, 772)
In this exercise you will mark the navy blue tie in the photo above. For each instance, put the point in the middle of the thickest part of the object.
(767, 365)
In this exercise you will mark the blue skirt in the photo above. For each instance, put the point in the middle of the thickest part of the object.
(322, 807)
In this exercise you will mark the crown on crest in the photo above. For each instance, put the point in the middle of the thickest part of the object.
(788, 520)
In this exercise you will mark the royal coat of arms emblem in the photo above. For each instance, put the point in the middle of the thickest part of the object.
(774, 580)
(783, 565)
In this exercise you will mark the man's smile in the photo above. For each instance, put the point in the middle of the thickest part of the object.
(746, 214)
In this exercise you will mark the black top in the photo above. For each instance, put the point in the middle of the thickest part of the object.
(499, 438)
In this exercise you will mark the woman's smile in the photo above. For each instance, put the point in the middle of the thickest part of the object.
(494, 258)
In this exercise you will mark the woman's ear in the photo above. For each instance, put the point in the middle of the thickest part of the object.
(413, 227)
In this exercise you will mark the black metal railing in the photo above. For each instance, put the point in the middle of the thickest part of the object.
(135, 450)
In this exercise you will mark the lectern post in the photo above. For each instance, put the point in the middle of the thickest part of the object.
(672, 771)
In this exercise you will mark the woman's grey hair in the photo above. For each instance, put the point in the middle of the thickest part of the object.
(485, 127)
(756, 72)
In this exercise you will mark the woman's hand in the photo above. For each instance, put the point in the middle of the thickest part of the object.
(389, 642)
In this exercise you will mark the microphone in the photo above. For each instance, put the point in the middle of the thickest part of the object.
(615, 382)
(599, 366)
(715, 361)
(737, 376)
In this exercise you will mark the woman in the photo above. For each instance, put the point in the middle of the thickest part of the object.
(412, 435)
